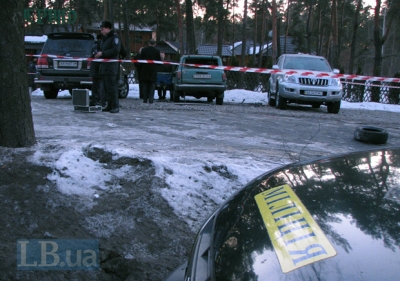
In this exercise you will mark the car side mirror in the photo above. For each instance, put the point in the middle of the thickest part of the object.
(336, 71)
(275, 66)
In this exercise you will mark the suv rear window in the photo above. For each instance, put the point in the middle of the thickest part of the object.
(67, 46)
(203, 61)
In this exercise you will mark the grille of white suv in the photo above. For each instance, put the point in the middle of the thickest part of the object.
(313, 81)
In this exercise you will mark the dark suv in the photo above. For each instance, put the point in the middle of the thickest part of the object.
(71, 69)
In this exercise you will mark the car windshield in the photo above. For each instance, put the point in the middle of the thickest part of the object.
(307, 63)
(68, 47)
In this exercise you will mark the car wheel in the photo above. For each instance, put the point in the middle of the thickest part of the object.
(123, 90)
(316, 105)
(52, 93)
(271, 101)
(176, 96)
(280, 102)
(371, 134)
(334, 107)
(219, 101)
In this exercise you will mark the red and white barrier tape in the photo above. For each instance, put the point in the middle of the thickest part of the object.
(239, 69)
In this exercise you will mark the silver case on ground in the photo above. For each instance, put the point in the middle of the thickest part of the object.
(81, 101)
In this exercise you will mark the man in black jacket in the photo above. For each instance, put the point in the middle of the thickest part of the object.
(98, 95)
(32, 73)
(139, 77)
(148, 71)
(109, 49)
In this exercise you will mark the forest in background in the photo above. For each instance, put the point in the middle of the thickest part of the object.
(355, 37)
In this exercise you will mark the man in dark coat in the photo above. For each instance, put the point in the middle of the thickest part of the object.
(148, 71)
(32, 73)
(98, 95)
(109, 49)
(138, 75)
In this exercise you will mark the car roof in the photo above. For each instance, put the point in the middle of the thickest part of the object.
(200, 56)
(320, 219)
(302, 55)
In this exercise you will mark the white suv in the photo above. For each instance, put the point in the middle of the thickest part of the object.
(294, 85)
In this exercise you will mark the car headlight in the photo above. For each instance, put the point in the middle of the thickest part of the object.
(336, 82)
(289, 78)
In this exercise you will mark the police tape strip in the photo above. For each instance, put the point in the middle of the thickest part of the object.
(371, 85)
(238, 69)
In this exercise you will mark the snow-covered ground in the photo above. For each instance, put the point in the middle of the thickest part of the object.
(190, 186)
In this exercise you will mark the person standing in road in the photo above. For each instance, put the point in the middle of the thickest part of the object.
(162, 92)
(32, 73)
(148, 71)
(98, 95)
(109, 49)
(138, 75)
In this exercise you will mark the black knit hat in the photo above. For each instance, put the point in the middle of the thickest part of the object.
(105, 24)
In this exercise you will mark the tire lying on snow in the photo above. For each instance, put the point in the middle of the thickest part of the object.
(371, 134)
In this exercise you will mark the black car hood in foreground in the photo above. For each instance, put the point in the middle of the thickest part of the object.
(331, 219)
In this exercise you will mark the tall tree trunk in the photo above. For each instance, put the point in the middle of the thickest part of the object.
(324, 44)
(255, 37)
(119, 12)
(275, 34)
(16, 123)
(262, 39)
(380, 40)
(220, 35)
(308, 31)
(180, 26)
(157, 22)
(105, 11)
(377, 40)
(287, 26)
(341, 27)
(244, 37)
(378, 43)
(319, 33)
(190, 38)
(111, 11)
(233, 58)
(127, 40)
(354, 37)
(334, 24)
(278, 37)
